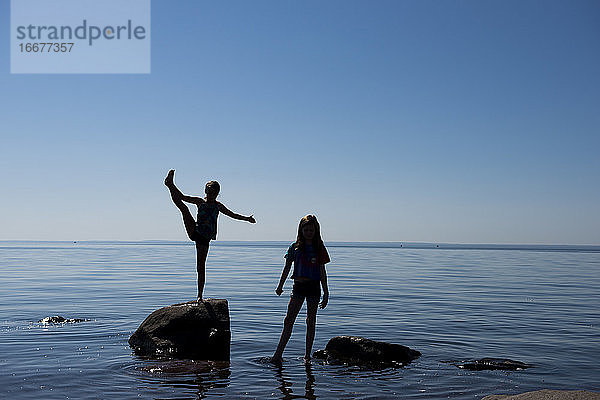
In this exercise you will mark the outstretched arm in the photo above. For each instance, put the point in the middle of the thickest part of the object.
(325, 288)
(192, 199)
(233, 215)
(284, 275)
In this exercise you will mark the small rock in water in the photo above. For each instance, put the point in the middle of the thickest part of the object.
(57, 319)
(491, 364)
(354, 350)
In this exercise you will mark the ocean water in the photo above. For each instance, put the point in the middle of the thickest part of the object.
(536, 304)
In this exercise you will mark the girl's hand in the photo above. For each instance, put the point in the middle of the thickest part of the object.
(251, 219)
(279, 290)
(325, 300)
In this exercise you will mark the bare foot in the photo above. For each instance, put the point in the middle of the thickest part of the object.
(169, 178)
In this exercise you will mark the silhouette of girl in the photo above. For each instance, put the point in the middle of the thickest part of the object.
(204, 229)
(309, 256)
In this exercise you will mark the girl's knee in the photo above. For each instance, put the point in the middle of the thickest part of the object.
(311, 317)
(289, 320)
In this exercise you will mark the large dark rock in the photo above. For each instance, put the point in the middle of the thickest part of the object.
(491, 363)
(354, 350)
(198, 331)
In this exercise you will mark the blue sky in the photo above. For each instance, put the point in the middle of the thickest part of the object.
(437, 121)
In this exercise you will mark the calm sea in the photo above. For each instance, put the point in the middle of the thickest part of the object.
(536, 304)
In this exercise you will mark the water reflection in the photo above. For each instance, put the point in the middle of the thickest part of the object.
(285, 385)
(199, 377)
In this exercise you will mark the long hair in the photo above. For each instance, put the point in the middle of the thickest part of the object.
(317, 241)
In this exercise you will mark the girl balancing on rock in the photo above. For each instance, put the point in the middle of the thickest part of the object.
(309, 256)
(204, 229)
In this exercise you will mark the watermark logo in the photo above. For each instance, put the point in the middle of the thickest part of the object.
(80, 36)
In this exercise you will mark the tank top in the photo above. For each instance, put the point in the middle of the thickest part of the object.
(206, 221)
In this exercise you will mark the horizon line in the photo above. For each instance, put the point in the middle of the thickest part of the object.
(331, 242)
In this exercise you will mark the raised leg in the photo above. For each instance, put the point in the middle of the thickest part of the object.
(288, 323)
(311, 323)
(201, 253)
(188, 220)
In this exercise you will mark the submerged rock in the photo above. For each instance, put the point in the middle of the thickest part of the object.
(548, 395)
(57, 319)
(198, 331)
(354, 350)
(491, 363)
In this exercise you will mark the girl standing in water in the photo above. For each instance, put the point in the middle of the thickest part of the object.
(309, 256)
(204, 229)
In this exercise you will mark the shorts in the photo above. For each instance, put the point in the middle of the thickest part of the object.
(309, 290)
(200, 239)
